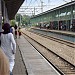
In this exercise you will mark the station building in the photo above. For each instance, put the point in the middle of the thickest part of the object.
(56, 17)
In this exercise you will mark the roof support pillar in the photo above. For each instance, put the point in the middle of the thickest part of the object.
(5, 14)
(0, 16)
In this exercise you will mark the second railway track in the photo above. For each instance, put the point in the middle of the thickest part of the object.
(64, 67)
(68, 43)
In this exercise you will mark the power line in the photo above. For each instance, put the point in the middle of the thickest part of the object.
(26, 1)
(35, 1)
(41, 5)
(30, 7)
(65, 1)
(30, 2)
(48, 1)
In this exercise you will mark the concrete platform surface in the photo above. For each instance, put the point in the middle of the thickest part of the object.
(34, 61)
(58, 31)
(19, 68)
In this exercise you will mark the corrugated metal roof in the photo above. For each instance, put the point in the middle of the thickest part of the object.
(12, 7)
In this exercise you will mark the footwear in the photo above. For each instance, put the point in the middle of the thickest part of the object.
(11, 73)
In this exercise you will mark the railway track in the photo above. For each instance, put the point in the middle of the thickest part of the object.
(64, 67)
(68, 43)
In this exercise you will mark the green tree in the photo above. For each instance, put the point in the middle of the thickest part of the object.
(12, 22)
(18, 18)
(25, 19)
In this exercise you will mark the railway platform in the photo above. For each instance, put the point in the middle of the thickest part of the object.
(59, 34)
(68, 33)
(19, 68)
(35, 63)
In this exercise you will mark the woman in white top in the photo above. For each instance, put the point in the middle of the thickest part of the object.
(8, 44)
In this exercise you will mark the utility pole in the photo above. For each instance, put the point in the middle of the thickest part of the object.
(32, 13)
(15, 18)
(41, 5)
(0, 17)
(34, 10)
(20, 20)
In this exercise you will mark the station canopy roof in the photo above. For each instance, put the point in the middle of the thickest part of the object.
(12, 7)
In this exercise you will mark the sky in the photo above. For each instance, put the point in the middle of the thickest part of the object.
(34, 7)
